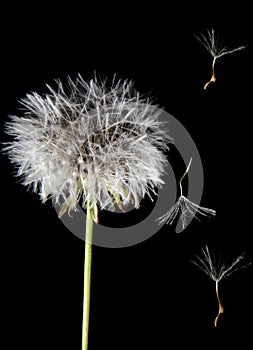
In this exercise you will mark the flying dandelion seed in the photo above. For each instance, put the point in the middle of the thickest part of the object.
(184, 208)
(210, 265)
(103, 146)
(213, 46)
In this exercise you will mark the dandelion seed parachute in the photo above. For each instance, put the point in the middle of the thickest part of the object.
(184, 209)
(214, 46)
(102, 145)
(211, 266)
(215, 49)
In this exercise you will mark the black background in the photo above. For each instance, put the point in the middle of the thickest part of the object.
(148, 296)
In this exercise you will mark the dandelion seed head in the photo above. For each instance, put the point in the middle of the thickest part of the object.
(90, 142)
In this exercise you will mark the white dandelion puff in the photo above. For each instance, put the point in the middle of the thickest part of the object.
(213, 45)
(214, 269)
(102, 145)
(184, 208)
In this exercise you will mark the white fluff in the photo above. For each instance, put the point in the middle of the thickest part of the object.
(103, 145)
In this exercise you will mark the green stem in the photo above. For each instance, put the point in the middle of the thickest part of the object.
(87, 279)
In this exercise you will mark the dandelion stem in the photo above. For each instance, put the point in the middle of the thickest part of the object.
(221, 309)
(180, 181)
(87, 279)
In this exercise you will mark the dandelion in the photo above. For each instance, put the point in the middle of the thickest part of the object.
(212, 267)
(213, 46)
(103, 146)
(184, 208)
